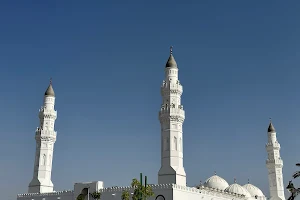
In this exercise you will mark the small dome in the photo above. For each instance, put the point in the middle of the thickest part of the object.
(238, 189)
(253, 190)
(50, 91)
(216, 182)
(271, 128)
(171, 62)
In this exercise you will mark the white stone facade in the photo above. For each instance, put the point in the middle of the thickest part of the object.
(274, 164)
(171, 117)
(171, 176)
(45, 137)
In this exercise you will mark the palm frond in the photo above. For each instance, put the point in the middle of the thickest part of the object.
(296, 174)
(292, 197)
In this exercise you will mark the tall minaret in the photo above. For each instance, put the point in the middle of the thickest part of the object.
(171, 117)
(45, 137)
(274, 165)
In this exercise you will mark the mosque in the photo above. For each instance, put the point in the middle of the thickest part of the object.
(171, 176)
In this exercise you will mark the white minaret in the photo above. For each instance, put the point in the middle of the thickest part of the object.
(45, 137)
(274, 164)
(171, 117)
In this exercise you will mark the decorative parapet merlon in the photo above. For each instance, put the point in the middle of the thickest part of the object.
(203, 190)
(58, 193)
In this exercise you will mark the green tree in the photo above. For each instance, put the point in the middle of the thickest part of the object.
(96, 195)
(80, 197)
(125, 195)
(141, 192)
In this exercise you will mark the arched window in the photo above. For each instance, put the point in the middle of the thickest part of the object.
(44, 160)
(175, 143)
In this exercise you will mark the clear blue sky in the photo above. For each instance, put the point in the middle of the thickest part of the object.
(239, 65)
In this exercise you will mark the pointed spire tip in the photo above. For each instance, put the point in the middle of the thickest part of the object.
(271, 127)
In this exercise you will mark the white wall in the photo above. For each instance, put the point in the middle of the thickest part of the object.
(169, 191)
(62, 195)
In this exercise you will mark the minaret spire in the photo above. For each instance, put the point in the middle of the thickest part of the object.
(171, 117)
(45, 137)
(271, 127)
(50, 91)
(171, 63)
(274, 165)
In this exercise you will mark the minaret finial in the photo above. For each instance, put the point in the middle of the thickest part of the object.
(234, 180)
(171, 50)
(215, 173)
(248, 180)
(50, 80)
(270, 120)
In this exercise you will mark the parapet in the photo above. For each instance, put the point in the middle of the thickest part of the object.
(58, 193)
(204, 190)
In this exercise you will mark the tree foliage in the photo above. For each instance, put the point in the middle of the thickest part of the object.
(80, 197)
(141, 192)
(96, 195)
(125, 195)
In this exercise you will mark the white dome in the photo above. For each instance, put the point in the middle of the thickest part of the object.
(216, 182)
(253, 190)
(238, 189)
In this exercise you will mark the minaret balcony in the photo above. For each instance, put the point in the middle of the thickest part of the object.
(48, 115)
(277, 161)
(39, 132)
(173, 88)
(172, 111)
(272, 146)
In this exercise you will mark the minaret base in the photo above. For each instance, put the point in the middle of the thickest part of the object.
(37, 186)
(167, 175)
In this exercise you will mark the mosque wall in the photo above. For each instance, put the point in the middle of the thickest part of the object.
(61, 195)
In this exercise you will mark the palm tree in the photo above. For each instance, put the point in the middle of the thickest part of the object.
(294, 191)
(297, 173)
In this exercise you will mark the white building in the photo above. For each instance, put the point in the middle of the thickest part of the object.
(171, 176)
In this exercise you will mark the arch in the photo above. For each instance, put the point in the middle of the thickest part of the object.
(175, 143)
(160, 197)
(44, 159)
(180, 145)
